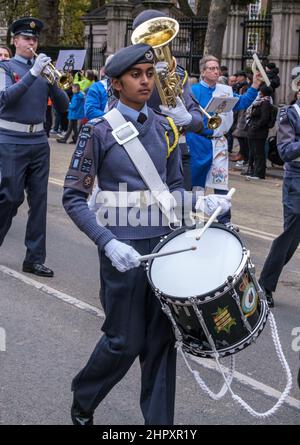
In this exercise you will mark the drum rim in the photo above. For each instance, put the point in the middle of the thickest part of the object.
(214, 293)
(247, 341)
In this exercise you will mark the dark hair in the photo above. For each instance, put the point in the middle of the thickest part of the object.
(241, 73)
(266, 91)
(271, 65)
(7, 49)
(90, 75)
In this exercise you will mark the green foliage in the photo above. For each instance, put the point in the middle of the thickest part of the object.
(72, 28)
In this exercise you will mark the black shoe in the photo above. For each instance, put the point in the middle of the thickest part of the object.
(79, 417)
(61, 141)
(269, 297)
(37, 269)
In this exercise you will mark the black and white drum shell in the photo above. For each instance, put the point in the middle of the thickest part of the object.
(218, 280)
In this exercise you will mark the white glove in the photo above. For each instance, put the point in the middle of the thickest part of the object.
(162, 68)
(40, 62)
(122, 256)
(179, 114)
(208, 204)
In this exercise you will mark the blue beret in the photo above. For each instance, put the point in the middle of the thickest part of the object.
(28, 26)
(125, 58)
(146, 15)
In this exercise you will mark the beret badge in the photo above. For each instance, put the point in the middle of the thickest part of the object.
(149, 55)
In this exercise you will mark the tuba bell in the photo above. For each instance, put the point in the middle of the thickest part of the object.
(158, 33)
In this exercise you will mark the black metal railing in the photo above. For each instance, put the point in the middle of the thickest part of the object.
(256, 38)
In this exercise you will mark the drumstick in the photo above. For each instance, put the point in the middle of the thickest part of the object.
(261, 69)
(159, 254)
(214, 216)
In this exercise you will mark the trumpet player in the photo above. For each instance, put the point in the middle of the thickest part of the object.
(24, 148)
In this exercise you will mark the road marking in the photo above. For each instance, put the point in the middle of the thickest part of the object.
(248, 381)
(56, 181)
(53, 292)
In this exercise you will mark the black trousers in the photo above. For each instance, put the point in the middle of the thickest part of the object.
(285, 245)
(72, 127)
(257, 156)
(244, 148)
(135, 326)
(25, 168)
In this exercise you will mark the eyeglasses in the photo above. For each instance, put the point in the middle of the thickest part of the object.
(212, 68)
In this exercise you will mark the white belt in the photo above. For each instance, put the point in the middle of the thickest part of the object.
(139, 198)
(24, 128)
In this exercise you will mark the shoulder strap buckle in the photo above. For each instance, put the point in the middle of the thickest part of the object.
(125, 133)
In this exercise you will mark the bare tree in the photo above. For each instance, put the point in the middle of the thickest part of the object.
(217, 21)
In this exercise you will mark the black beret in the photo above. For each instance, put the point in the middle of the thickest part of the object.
(146, 15)
(28, 26)
(125, 58)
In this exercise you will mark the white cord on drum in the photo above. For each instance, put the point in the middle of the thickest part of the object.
(228, 381)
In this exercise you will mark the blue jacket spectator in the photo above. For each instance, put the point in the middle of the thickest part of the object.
(96, 100)
(76, 107)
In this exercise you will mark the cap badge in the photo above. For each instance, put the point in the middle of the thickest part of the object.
(32, 25)
(149, 55)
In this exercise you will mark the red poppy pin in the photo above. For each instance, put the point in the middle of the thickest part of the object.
(17, 78)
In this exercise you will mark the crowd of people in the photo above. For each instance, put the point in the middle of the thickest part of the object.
(192, 156)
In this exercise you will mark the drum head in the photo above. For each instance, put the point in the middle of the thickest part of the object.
(219, 254)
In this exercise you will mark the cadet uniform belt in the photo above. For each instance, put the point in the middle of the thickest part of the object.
(24, 128)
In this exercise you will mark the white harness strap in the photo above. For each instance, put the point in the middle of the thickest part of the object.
(126, 135)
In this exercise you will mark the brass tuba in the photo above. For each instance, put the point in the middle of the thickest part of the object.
(158, 33)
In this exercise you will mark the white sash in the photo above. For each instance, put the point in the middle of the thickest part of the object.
(217, 176)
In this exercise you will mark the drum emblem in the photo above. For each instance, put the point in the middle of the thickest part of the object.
(249, 299)
(223, 320)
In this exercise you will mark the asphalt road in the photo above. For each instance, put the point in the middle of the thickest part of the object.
(47, 333)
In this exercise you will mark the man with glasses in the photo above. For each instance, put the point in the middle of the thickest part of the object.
(209, 150)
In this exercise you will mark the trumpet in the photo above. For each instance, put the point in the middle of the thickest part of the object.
(49, 72)
(257, 66)
(213, 121)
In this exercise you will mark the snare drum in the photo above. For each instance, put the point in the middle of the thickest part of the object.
(211, 294)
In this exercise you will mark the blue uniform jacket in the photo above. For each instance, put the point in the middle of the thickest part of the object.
(95, 101)
(23, 99)
(288, 140)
